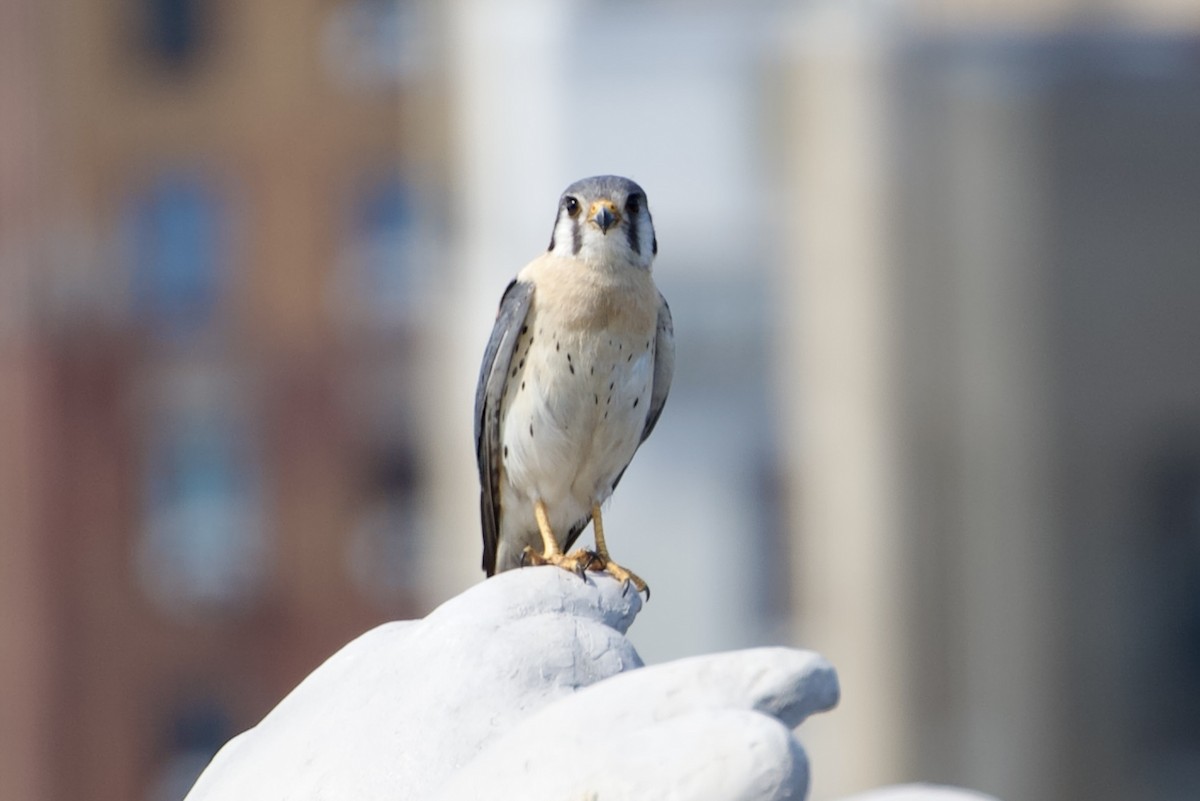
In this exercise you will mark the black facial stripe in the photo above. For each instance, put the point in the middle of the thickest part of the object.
(554, 230)
(576, 236)
(631, 232)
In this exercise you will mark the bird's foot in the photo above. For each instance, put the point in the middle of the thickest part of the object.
(576, 562)
(583, 560)
(627, 577)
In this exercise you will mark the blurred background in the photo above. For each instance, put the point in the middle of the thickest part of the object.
(935, 274)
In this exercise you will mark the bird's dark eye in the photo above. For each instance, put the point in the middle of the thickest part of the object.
(633, 204)
(572, 206)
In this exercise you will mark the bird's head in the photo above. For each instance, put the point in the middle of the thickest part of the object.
(606, 220)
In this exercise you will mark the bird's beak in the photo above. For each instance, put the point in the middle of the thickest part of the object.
(604, 214)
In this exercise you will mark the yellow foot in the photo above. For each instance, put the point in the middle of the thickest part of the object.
(583, 560)
(607, 565)
(576, 562)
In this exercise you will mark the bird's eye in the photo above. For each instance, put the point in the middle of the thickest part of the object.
(572, 205)
(633, 204)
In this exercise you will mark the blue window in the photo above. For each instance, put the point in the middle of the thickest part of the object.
(193, 733)
(383, 547)
(203, 543)
(386, 259)
(172, 30)
(178, 248)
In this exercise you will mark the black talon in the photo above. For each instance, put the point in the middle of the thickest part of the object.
(592, 558)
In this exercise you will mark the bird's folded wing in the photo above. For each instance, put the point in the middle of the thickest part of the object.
(664, 365)
(489, 394)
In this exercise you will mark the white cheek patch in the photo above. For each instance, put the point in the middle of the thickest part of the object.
(561, 241)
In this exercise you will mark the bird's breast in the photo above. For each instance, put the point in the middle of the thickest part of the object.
(578, 394)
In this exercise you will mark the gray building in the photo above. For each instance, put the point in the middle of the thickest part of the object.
(997, 355)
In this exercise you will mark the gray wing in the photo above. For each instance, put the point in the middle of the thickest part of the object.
(664, 365)
(489, 394)
(664, 369)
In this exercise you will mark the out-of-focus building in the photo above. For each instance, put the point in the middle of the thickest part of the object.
(214, 240)
(26, 617)
(997, 468)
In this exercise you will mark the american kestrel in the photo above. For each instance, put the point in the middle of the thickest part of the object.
(573, 380)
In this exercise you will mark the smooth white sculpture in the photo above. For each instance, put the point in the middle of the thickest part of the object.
(525, 687)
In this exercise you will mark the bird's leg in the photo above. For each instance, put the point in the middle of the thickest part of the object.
(551, 553)
(604, 561)
(549, 541)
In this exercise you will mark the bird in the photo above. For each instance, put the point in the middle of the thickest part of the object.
(574, 378)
